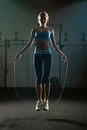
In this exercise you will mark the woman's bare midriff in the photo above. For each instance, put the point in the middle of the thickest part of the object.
(41, 45)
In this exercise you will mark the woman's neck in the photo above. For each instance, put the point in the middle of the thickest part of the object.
(43, 26)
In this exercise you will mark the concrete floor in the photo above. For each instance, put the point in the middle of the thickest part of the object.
(70, 113)
(67, 114)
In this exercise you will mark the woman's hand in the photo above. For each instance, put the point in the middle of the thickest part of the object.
(65, 59)
(17, 56)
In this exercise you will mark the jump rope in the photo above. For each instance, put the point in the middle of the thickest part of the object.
(62, 89)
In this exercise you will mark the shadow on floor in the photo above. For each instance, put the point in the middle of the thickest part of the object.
(77, 123)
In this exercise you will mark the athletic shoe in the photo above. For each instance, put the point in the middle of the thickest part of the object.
(38, 105)
(46, 105)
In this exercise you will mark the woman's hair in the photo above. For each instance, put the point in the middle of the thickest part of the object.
(43, 13)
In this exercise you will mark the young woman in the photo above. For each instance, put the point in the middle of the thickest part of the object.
(43, 35)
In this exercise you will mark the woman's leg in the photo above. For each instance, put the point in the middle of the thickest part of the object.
(47, 68)
(47, 91)
(38, 70)
(39, 92)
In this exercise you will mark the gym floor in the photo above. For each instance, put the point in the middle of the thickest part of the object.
(70, 113)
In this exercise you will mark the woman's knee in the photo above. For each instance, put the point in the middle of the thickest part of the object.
(45, 80)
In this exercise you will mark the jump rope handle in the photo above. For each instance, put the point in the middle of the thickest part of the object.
(65, 59)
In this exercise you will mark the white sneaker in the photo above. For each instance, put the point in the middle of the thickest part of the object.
(38, 105)
(46, 105)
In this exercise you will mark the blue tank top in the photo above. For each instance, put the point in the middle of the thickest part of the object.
(45, 35)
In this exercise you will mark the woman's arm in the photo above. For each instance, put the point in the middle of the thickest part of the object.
(29, 44)
(54, 45)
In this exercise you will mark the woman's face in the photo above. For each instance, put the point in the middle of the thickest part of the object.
(42, 19)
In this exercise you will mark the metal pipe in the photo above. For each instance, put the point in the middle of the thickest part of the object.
(5, 67)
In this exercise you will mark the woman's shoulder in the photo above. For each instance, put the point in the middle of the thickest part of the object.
(34, 29)
(50, 29)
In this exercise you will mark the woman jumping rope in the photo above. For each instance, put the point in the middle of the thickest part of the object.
(43, 36)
